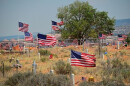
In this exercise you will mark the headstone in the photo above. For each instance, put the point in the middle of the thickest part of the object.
(24, 49)
(51, 71)
(72, 78)
(39, 55)
(34, 66)
(17, 61)
(86, 50)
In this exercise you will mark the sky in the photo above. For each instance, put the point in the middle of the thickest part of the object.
(39, 13)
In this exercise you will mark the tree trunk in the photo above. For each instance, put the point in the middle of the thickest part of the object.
(80, 42)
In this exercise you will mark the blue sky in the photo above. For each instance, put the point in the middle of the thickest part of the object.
(39, 13)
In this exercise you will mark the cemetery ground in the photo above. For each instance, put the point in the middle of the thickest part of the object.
(44, 64)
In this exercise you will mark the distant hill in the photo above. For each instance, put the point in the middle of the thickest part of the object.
(122, 22)
(11, 37)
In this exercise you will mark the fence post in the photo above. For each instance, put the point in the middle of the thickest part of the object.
(3, 68)
(83, 45)
(99, 48)
(118, 45)
(72, 79)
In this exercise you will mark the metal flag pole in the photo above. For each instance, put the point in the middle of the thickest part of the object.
(18, 32)
(51, 27)
(37, 44)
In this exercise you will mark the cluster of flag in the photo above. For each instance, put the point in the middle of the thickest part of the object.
(46, 40)
(103, 36)
(24, 28)
(56, 24)
(121, 37)
(82, 59)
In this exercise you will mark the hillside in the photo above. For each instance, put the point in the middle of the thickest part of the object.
(122, 22)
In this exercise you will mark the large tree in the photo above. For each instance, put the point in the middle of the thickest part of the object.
(82, 21)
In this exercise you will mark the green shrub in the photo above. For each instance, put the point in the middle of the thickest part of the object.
(122, 53)
(116, 70)
(62, 68)
(44, 52)
(43, 59)
(85, 83)
(6, 68)
(2, 52)
(55, 55)
(28, 79)
(17, 78)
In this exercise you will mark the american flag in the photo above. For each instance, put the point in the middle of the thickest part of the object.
(60, 23)
(46, 40)
(54, 25)
(23, 27)
(55, 28)
(102, 36)
(75, 41)
(121, 39)
(82, 59)
(28, 36)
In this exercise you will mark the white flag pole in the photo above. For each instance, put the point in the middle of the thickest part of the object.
(18, 32)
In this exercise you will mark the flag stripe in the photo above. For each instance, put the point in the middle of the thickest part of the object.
(82, 59)
(82, 65)
(23, 27)
(28, 36)
(46, 40)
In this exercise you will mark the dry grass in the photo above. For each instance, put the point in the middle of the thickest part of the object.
(64, 54)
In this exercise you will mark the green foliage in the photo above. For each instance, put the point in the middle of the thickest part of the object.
(128, 38)
(55, 55)
(85, 83)
(110, 82)
(116, 70)
(28, 79)
(47, 80)
(6, 68)
(43, 59)
(81, 21)
(44, 52)
(2, 52)
(17, 78)
(62, 68)
(105, 82)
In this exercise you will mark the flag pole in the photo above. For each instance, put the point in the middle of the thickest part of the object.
(18, 32)
(51, 27)
(37, 44)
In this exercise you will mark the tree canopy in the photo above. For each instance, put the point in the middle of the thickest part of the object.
(82, 21)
